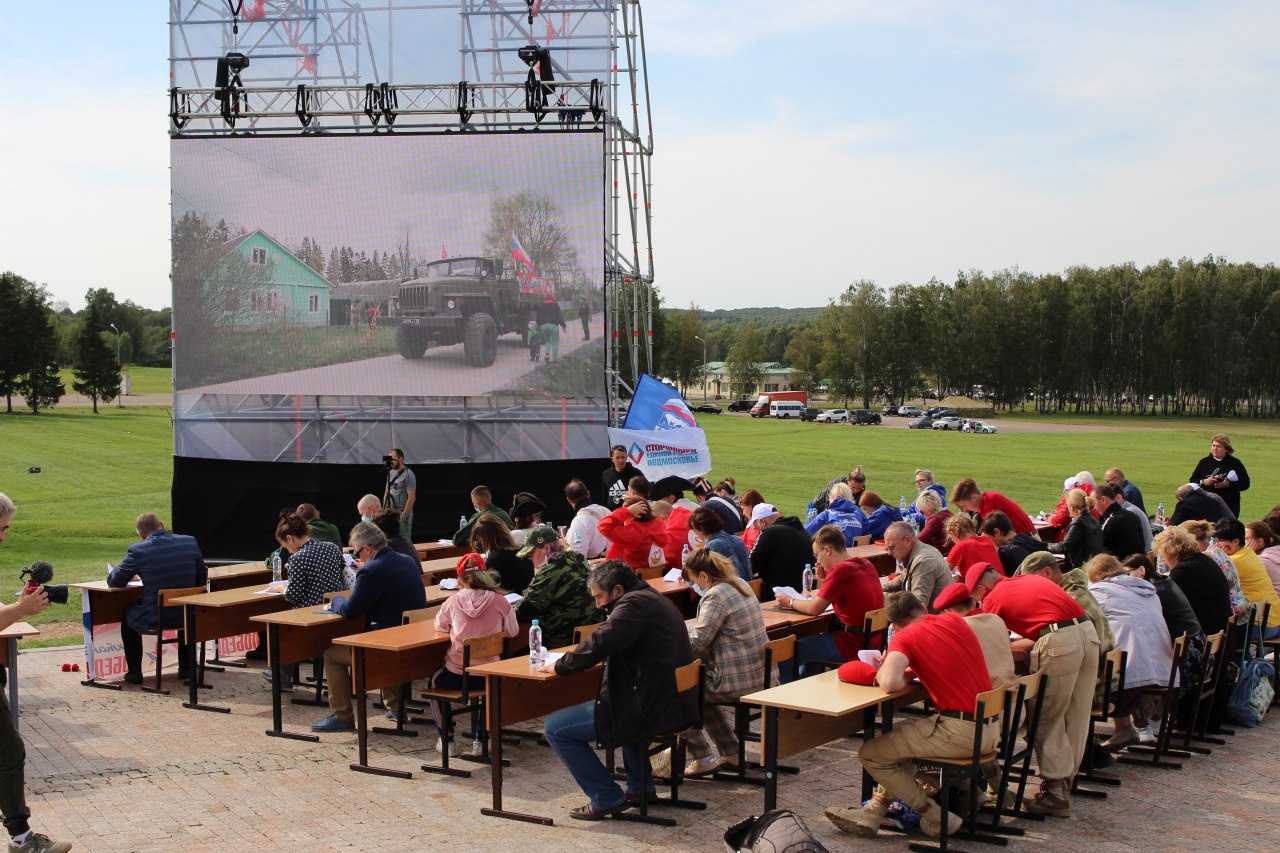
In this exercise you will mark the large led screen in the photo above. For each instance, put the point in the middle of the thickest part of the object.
(337, 296)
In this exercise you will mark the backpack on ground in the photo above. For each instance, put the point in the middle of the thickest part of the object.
(1252, 694)
(777, 831)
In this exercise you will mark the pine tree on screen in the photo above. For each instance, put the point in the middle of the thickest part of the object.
(97, 372)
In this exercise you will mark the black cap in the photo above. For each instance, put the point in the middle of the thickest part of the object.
(670, 486)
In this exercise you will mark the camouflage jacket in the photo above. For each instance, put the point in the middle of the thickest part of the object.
(558, 598)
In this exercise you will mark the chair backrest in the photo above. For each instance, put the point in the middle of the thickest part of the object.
(1262, 626)
(776, 652)
(165, 596)
(1113, 672)
(689, 676)
(989, 705)
(757, 586)
(1179, 651)
(862, 540)
(581, 632)
(488, 646)
(426, 614)
(875, 622)
(647, 574)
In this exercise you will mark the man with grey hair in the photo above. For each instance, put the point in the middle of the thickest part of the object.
(642, 642)
(13, 754)
(922, 570)
(387, 585)
(162, 560)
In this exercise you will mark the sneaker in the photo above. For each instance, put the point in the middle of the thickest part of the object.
(391, 715)
(285, 682)
(931, 822)
(701, 766)
(1145, 735)
(477, 748)
(1120, 740)
(864, 821)
(454, 749)
(332, 724)
(37, 843)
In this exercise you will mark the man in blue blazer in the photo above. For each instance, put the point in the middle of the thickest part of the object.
(163, 560)
(387, 584)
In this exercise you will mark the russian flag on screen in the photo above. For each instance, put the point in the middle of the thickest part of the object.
(518, 252)
(657, 406)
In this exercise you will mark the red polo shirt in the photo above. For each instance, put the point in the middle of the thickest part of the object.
(994, 501)
(975, 549)
(853, 588)
(946, 656)
(1027, 603)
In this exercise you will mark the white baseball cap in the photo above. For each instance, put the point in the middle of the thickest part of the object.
(762, 511)
(1070, 483)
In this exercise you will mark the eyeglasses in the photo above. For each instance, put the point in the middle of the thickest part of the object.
(922, 481)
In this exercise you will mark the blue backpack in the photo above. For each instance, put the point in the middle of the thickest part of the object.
(1252, 694)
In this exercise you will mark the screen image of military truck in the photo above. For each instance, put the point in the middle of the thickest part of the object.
(446, 266)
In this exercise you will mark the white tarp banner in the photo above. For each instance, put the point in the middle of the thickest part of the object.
(665, 453)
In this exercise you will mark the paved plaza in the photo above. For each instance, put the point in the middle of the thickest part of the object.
(124, 771)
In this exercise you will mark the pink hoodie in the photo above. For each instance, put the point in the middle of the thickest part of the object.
(474, 613)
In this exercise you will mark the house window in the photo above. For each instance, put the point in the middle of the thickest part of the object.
(771, 387)
(260, 257)
(264, 300)
(313, 303)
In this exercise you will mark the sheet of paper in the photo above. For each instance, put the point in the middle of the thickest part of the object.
(348, 559)
(786, 590)
(444, 541)
(674, 576)
(135, 582)
(270, 591)
(449, 583)
(871, 656)
(514, 597)
(551, 657)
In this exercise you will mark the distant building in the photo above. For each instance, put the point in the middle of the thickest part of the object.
(280, 286)
(776, 378)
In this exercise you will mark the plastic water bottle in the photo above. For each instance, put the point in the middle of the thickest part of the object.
(1160, 513)
(807, 579)
(577, 543)
(277, 568)
(462, 521)
(684, 555)
(902, 504)
(535, 644)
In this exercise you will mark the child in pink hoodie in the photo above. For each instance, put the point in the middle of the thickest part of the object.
(477, 610)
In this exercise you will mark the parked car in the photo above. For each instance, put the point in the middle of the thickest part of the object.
(834, 416)
(708, 409)
(981, 427)
(889, 411)
(922, 422)
(811, 414)
(909, 411)
(864, 416)
(948, 423)
(741, 405)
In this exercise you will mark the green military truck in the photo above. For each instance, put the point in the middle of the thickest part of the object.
(466, 300)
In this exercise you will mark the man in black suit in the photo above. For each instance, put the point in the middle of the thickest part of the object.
(1121, 533)
(163, 560)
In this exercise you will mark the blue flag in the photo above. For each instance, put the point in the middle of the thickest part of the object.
(656, 406)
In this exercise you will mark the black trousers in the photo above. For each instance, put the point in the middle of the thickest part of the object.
(13, 760)
(132, 642)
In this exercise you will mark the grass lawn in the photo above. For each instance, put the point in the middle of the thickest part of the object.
(142, 380)
(99, 472)
(790, 461)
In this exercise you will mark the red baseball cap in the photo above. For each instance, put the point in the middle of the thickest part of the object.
(975, 573)
(951, 596)
(470, 563)
(857, 672)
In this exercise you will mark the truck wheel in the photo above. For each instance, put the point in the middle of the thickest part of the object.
(480, 340)
(411, 342)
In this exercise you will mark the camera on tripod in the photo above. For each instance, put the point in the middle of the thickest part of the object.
(38, 574)
(386, 463)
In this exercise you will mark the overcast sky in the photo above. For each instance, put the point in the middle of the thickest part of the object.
(801, 145)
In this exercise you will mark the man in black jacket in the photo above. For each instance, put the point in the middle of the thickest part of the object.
(1195, 504)
(1013, 547)
(642, 642)
(616, 477)
(1121, 533)
(782, 550)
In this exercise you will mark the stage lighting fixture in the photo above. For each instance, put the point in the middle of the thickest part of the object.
(302, 105)
(227, 83)
(536, 93)
(464, 103)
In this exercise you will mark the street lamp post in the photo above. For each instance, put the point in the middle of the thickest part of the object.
(704, 368)
(120, 396)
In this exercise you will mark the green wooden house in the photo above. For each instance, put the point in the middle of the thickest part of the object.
(262, 282)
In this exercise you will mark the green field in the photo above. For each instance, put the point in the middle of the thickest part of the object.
(99, 472)
(142, 380)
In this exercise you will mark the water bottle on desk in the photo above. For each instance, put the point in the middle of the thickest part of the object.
(684, 555)
(462, 521)
(277, 568)
(902, 504)
(806, 580)
(1160, 519)
(535, 644)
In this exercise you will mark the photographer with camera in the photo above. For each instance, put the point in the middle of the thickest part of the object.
(401, 490)
(1222, 474)
(13, 754)
(163, 560)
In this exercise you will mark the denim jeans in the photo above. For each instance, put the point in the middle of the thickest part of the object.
(811, 648)
(572, 733)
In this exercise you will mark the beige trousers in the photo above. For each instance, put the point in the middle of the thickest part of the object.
(337, 673)
(889, 757)
(1069, 657)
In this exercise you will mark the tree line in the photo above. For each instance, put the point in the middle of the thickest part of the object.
(39, 337)
(1173, 337)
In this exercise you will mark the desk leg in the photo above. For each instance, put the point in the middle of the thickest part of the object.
(277, 678)
(12, 643)
(868, 732)
(769, 735)
(494, 710)
(195, 672)
(362, 722)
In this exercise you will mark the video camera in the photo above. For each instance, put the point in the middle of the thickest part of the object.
(386, 463)
(38, 574)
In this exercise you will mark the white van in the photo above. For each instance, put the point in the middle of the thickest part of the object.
(785, 409)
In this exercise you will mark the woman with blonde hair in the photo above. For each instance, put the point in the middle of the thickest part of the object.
(1199, 578)
(968, 546)
(729, 636)
(1203, 532)
(1133, 611)
(1083, 539)
(934, 530)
